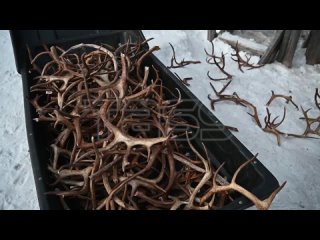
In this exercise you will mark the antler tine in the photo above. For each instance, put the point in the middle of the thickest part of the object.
(260, 204)
(235, 175)
(221, 59)
(214, 183)
(316, 96)
(269, 200)
(271, 98)
(212, 56)
(278, 124)
(139, 62)
(216, 79)
(173, 54)
(184, 80)
(287, 98)
(271, 126)
(179, 64)
(222, 90)
(241, 62)
(255, 114)
(221, 68)
(238, 59)
(214, 89)
(309, 122)
(248, 58)
(206, 176)
(267, 118)
(212, 50)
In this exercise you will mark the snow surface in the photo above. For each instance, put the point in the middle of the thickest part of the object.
(259, 48)
(17, 188)
(296, 161)
(262, 36)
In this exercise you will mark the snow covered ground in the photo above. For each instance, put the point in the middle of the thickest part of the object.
(17, 188)
(296, 161)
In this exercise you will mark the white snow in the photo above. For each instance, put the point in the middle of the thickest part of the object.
(258, 47)
(17, 188)
(296, 161)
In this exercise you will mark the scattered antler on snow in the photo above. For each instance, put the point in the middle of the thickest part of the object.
(179, 64)
(219, 62)
(241, 62)
(287, 98)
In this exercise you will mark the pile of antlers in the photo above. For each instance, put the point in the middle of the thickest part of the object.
(116, 143)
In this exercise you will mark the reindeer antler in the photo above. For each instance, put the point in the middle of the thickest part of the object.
(221, 67)
(309, 122)
(179, 64)
(233, 186)
(316, 99)
(271, 126)
(237, 100)
(287, 98)
(241, 62)
(184, 80)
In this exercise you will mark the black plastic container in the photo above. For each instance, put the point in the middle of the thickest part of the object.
(222, 146)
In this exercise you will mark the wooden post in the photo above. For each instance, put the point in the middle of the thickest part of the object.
(306, 42)
(270, 55)
(282, 47)
(288, 47)
(313, 48)
(212, 34)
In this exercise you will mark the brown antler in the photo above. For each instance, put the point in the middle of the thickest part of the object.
(241, 62)
(317, 98)
(237, 100)
(231, 128)
(310, 122)
(233, 186)
(271, 126)
(184, 80)
(287, 98)
(219, 94)
(221, 67)
(179, 64)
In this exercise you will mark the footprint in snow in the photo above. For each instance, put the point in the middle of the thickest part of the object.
(22, 178)
(17, 166)
(8, 199)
